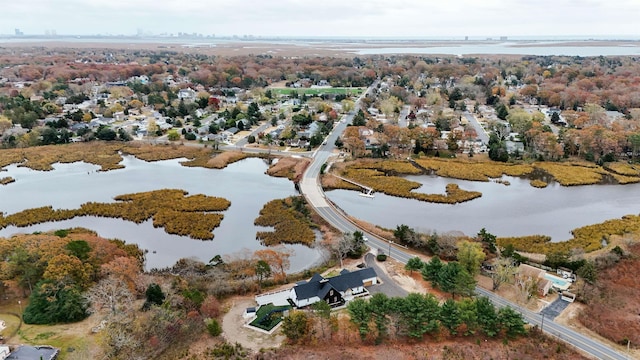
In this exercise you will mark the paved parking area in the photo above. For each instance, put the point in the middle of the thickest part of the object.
(555, 308)
(388, 286)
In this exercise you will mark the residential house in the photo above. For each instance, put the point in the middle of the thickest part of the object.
(529, 274)
(513, 146)
(228, 134)
(187, 94)
(4, 349)
(245, 124)
(201, 112)
(38, 352)
(335, 291)
(309, 131)
(15, 131)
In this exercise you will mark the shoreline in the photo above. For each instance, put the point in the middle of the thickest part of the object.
(330, 48)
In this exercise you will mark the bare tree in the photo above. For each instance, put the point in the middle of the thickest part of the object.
(504, 272)
(343, 246)
(110, 293)
(527, 287)
(120, 339)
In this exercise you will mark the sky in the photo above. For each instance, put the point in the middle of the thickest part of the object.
(324, 18)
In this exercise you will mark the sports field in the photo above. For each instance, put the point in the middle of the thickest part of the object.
(320, 91)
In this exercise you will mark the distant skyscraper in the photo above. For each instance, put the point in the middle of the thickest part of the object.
(140, 32)
(18, 32)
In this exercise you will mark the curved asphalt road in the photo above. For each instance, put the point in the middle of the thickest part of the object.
(311, 189)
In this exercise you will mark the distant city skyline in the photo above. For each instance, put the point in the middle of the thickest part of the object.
(329, 18)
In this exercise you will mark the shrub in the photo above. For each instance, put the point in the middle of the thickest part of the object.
(213, 327)
(154, 296)
(381, 257)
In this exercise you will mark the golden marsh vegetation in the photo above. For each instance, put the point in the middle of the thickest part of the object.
(6, 180)
(376, 175)
(588, 238)
(109, 155)
(195, 216)
(290, 219)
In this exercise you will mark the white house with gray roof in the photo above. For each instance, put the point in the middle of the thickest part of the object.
(336, 291)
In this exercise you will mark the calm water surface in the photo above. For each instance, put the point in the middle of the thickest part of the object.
(509, 49)
(515, 210)
(70, 185)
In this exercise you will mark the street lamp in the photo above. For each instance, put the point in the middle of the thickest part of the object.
(542, 325)
(20, 304)
(390, 248)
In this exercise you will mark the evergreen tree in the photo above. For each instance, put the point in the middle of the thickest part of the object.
(450, 316)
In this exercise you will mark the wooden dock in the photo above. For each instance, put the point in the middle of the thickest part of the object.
(367, 191)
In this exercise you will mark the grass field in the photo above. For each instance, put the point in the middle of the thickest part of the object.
(68, 338)
(319, 91)
(268, 316)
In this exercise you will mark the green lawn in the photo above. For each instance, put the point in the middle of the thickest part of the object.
(268, 322)
(312, 91)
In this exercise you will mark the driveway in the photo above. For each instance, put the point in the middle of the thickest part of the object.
(388, 286)
(555, 308)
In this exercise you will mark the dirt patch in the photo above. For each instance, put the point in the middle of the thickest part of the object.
(411, 282)
(223, 159)
(511, 293)
(613, 310)
(233, 329)
(535, 346)
(569, 318)
(289, 167)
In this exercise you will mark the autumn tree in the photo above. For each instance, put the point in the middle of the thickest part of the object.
(211, 307)
(5, 124)
(278, 259)
(470, 255)
(296, 326)
(68, 271)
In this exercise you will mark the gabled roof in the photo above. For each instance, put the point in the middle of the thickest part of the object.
(352, 279)
(319, 286)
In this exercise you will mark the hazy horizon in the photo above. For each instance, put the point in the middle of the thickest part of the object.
(333, 18)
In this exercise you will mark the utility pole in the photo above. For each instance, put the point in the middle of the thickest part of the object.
(542, 325)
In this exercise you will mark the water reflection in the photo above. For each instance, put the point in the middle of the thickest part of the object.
(69, 185)
(515, 210)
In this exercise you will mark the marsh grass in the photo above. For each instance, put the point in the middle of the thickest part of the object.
(588, 238)
(6, 180)
(195, 216)
(290, 222)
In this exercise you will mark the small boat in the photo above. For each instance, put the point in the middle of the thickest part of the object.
(368, 194)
